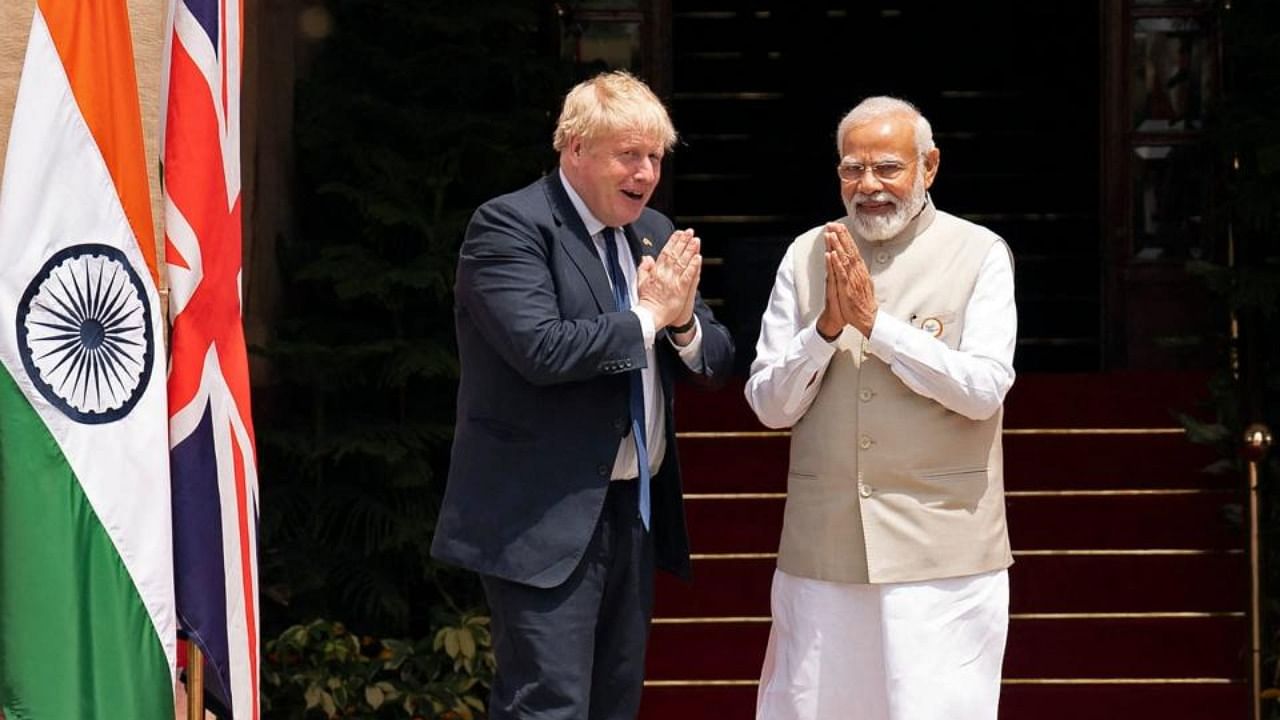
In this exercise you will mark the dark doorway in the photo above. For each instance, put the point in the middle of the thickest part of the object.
(1012, 91)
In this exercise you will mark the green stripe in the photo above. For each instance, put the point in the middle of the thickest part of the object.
(76, 640)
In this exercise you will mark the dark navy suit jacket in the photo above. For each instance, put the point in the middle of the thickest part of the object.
(543, 397)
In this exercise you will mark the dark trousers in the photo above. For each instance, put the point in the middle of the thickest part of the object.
(576, 651)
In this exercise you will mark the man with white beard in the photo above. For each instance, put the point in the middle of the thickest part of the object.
(887, 347)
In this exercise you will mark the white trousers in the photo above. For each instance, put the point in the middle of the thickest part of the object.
(905, 651)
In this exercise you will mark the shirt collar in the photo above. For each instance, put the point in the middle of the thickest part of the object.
(594, 225)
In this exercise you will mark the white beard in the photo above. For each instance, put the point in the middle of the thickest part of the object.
(878, 228)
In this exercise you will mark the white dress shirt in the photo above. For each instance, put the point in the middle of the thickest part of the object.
(971, 380)
(624, 465)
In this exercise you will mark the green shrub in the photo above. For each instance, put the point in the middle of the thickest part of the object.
(323, 670)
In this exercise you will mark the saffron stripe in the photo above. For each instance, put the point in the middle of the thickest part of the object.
(95, 44)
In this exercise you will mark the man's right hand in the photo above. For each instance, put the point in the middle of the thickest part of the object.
(831, 321)
(665, 286)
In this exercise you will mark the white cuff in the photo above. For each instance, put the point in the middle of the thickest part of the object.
(887, 335)
(690, 354)
(646, 324)
(818, 350)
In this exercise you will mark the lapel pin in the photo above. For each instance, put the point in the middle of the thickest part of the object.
(646, 242)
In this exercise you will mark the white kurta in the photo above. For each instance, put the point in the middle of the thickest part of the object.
(927, 650)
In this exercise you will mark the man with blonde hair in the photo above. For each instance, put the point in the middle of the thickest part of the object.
(887, 347)
(576, 306)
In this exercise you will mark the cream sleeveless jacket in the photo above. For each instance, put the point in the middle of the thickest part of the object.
(885, 485)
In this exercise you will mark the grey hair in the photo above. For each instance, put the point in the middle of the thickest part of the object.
(880, 106)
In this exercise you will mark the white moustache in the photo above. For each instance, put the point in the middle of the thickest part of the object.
(884, 196)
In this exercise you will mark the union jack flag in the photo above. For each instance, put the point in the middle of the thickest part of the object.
(212, 448)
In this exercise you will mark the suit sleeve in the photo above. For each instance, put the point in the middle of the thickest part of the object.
(506, 288)
(716, 347)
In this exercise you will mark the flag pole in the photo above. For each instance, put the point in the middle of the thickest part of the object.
(195, 682)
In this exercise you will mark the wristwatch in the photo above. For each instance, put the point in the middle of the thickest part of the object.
(678, 329)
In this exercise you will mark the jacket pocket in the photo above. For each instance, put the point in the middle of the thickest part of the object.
(501, 429)
(949, 472)
(952, 487)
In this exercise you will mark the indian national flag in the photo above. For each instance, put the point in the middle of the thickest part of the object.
(87, 627)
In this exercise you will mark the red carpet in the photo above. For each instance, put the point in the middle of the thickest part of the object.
(1128, 589)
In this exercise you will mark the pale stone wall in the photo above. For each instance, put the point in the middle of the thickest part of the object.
(15, 24)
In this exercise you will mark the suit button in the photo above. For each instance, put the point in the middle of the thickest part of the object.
(865, 394)
(620, 424)
(882, 257)
(865, 490)
(627, 363)
(865, 442)
(602, 470)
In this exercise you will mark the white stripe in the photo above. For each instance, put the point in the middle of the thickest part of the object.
(57, 191)
(241, 678)
(213, 391)
(183, 281)
(234, 55)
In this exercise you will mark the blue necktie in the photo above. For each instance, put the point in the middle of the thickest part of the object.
(623, 300)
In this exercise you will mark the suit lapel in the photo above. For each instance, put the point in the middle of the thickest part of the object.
(577, 243)
(641, 245)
